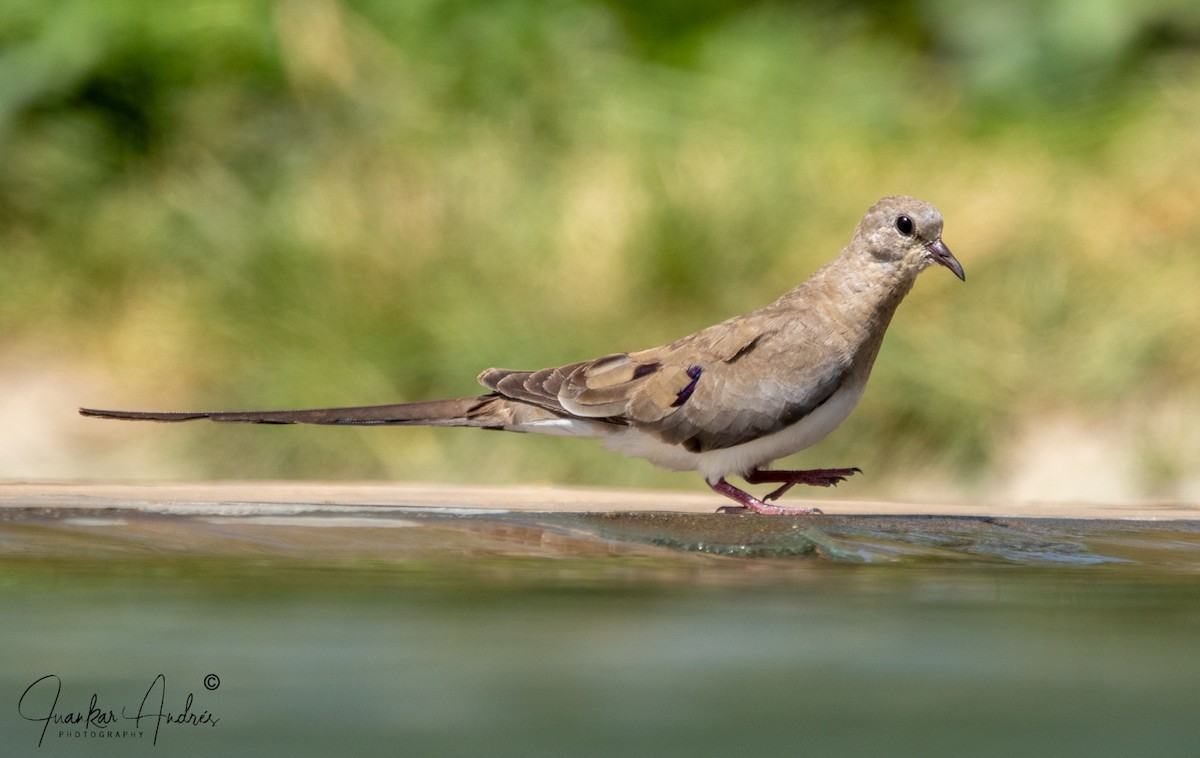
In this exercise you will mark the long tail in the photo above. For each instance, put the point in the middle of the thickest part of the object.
(461, 411)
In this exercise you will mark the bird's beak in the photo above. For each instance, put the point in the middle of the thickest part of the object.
(941, 254)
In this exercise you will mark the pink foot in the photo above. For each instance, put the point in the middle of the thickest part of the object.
(820, 477)
(747, 502)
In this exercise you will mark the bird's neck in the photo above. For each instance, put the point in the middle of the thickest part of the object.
(863, 291)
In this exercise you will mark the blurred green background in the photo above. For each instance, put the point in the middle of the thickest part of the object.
(299, 203)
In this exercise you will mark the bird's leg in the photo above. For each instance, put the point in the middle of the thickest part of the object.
(819, 477)
(747, 502)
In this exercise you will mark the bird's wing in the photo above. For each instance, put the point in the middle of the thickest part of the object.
(729, 384)
(743, 382)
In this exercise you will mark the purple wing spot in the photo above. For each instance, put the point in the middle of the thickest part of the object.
(694, 372)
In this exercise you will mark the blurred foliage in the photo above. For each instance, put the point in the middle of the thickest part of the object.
(312, 202)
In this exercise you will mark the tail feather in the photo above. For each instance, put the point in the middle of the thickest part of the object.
(462, 411)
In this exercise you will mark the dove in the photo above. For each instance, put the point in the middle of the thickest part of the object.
(726, 401)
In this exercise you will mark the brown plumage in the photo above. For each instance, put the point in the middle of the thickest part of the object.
(726, 400)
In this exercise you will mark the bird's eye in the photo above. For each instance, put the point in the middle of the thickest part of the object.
(904, 225)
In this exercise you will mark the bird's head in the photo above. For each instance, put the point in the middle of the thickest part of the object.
(908, 232)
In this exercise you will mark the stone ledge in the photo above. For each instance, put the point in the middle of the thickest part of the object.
(165, 497)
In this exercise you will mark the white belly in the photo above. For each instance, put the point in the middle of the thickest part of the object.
(741, 459)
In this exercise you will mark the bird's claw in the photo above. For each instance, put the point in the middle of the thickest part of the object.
(816, 478)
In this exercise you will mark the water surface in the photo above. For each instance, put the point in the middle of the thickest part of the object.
(507, 634)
